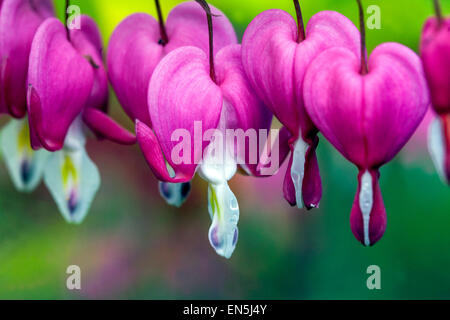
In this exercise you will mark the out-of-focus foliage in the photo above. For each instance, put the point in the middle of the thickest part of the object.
(132, 245)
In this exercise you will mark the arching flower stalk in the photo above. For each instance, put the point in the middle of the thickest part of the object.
(276, 52)
(137, 46)
(368, 110)
(199, 94)
(435, 52)
(67, 91)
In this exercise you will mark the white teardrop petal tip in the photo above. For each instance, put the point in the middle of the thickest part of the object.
(224, 211)
(366, 203)
(436, 146)
(298, 169)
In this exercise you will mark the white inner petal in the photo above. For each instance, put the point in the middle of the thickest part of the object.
(75, 138)
(366, 203)
(25, 165)
(436, 146)
(298, 169)
(224, 211)
(71, 176)
(219, 166)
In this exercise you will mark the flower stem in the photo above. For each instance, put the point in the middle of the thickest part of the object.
(300, 25)
(162, 28)
(66, 16)
(364, 68)
(437, 9)
(209, 15)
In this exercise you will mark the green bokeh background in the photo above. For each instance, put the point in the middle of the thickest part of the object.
(132, 245)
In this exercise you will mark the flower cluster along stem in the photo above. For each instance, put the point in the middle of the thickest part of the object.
(300, 24)
(364, 68)
(162, 27)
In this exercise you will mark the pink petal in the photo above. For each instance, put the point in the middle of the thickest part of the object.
(312, 184)
(377, 221)
(325, 30)
(181, 92)
(288, 185)
(284, 137)
(103, 125)
(87, 41)
(446, 134)
(268, 53)
(333, 95)
(276, 63)
(133, 53)
(19, 21)
(248, 112)
(134, 50)
(60, 82)
(435, 52)
(367, 118)
(151, 149)
(395, 102)
(187, 26)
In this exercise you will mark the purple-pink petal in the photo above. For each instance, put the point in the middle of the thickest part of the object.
(378, 219)
(246, 111)
(181, 92)
(19, 20)
(268, 53)
(60, 81)
(133, 53)
(87, 41)
(103, 125)
(276, 62)
(435, 52)
(135, 50)
(367, 118)
(154, 156)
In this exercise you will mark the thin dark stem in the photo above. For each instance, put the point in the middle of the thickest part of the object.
(209, 15)
(212, 72)
(300, 25)
(162, 27)
(66, 16)
(364, 68)
(437, 9)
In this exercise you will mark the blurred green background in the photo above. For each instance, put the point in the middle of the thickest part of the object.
(132, 245)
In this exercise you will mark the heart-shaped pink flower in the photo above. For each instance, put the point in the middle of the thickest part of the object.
(368, 113)
(195, 99)
(66, 77)
(276, 52)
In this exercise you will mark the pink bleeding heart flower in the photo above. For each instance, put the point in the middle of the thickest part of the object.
(276, 53)
(194, 98)
(66, 77)
(19, 20)
(368, 112)
(67, 88)
(137, 46)
(435, 52)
